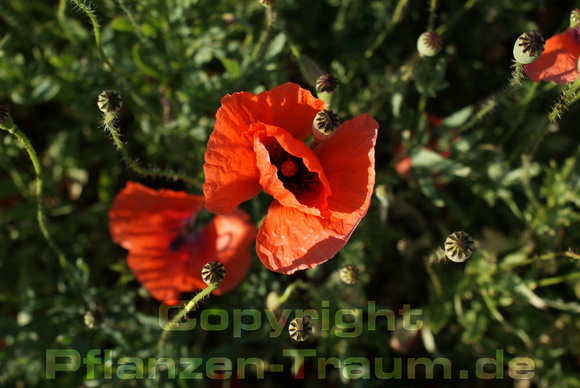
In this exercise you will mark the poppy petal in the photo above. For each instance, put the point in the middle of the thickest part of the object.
(139, 212)
(145, 221)
(293, 108)
(310, 197)
(232, 234)
(559, 61)
(230, 170)
(290, 240)
(348, 160)
(149, 222)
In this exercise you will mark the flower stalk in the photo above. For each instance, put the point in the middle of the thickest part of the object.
(110, 117)
(8, 125)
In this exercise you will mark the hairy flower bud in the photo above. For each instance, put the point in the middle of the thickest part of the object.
(6, 121)
(528, 47)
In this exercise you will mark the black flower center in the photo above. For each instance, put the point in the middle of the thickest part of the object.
(292, 172)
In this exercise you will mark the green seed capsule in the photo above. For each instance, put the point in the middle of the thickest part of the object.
(213, 273)
(324, 124)
(349, 274)
(459, 246)
(429, 43)
(528, 47)
(109, 101)
(300, 329)
(575, 18)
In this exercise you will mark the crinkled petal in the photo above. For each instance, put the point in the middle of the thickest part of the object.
(313, 200)
(290, 240)
(559, 61)
(348, 160)
(230, 170)
(293, 108)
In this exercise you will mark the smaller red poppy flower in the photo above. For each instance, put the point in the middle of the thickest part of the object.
(166, 251)
(559, 61)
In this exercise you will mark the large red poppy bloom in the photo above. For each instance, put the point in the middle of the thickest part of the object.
(320, 193)
(166, 252)
(559, 61)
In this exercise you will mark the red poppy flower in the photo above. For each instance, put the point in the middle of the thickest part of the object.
(559, 61)
(166, 253)
(320, 193)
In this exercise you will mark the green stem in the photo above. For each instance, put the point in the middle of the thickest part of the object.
(260, 48)
(557, 279)
(258, 52)
(108, 123)
(547, 256)
(190, 305)
(397, 17)
(435, 280)
(564, 102)
(432, 9)
(14, 130)
(83, 6)
(498, 317)
(493, 103)
(456, 17)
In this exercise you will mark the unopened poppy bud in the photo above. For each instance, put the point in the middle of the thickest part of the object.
(429, 43)
(6, 121)
(309, 69)
(324, 124)
(267, 3)
(459, 246)
(326, 83)
(349, 274)
(109, 101)
(213, 273)
(300, 329)
(528, 47)
(575, 18)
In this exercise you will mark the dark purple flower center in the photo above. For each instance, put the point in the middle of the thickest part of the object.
(292, 172)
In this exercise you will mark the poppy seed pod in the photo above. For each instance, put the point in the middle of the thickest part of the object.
(429, 43)
(326, 83)
(213, 273)
(300, 329)
(528, 47)
(459, 246)
(324, 124)
(349, 274)
(575, 18)
(109, 101)
(6, 121)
